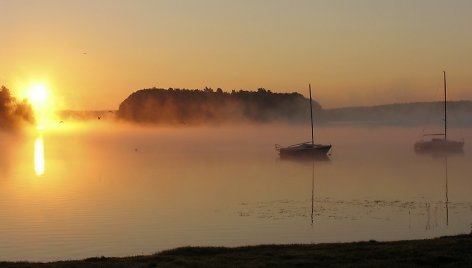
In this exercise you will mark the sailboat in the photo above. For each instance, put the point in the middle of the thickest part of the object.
(305, 149)
(441, 144)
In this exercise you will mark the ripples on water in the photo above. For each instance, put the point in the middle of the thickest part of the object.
(354, 210)
(119, 191)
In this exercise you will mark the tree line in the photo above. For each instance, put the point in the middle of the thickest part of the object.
(193, 106)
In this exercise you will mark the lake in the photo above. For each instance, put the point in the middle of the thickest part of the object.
(82, 190)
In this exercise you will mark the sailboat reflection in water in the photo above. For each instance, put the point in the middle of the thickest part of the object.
(305, 149)
(312, 192)
(447, 192)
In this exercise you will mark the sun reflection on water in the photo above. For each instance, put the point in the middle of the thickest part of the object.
(39, 155)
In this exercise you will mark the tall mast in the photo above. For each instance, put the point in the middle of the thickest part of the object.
(311, 114)
(445, 106)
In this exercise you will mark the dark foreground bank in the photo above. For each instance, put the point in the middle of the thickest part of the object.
(452, 251)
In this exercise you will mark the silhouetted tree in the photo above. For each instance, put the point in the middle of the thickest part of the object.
(12, 112)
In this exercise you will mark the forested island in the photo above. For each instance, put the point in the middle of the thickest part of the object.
(207, 106)
(185, 106)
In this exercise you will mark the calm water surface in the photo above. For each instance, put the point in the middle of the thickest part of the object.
(81, 191)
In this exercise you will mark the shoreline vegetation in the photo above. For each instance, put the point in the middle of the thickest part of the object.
(449, 251)
(13, 113)
(193, 107)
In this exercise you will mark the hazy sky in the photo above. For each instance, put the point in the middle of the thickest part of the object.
(93, 54)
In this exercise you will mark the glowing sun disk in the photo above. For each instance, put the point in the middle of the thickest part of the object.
(38, 94)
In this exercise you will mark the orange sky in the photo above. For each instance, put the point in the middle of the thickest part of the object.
(93, 54)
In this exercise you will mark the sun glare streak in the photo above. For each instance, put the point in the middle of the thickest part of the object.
(39, 155)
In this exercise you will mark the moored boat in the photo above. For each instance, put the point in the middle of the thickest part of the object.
(440, 144)
(304, 149)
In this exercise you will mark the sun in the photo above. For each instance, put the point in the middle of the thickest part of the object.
(40, 98)
(38, 95)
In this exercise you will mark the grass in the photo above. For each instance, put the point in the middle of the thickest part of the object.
(451, 251)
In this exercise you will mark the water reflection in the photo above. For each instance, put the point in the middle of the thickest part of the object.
(39, 155)
(312, 190)
(445, 202)
(441, 153)
(444, 154)
(447, 196)
(307, 158)
(184, 188)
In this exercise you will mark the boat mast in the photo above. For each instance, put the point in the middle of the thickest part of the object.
(311, 115)
(445, 106)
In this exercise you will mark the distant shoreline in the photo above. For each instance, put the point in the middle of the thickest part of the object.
(176, 107)
(449, 251)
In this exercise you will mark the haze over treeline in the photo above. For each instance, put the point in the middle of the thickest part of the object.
(13, 113)
(185, 106)
(404, 113)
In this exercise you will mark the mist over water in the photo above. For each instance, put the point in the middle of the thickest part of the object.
(119, 190)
